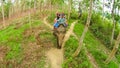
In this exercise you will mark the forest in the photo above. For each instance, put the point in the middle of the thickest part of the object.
(59, 33)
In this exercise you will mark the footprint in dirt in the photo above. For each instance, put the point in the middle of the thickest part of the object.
(55, 57)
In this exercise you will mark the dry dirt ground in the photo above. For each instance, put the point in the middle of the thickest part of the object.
(3, 52)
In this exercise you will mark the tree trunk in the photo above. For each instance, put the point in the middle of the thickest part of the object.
(119, 11)
(69, 9)
(103, 10)
(80, 10)
(9, 13)
(112, 37)
(23, 5)
(13, 9)
(51, 6)
(16, 6)
(30, 14)
(85, 30)
(3, 15)
(35, 4)
(115, 48)
(40, 6)
(10, 9)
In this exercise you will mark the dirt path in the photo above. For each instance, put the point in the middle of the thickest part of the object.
(45, 22)
(91, 59)
(56, 56)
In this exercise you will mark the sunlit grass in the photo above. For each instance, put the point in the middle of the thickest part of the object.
(94, 47)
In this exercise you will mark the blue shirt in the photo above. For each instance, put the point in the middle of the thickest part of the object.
(61, 21)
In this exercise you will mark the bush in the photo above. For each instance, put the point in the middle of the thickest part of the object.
(74, 15)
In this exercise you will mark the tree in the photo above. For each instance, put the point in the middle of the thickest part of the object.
(80, 10)
(40, 5)
(35, 4)
(85, 29)
(23, 5)
(112, 37)
(10, 8)
(3, 15)
(114, 50)
(30, 13)
(117, 8)
(17, 7)
(103, 9)
(69, 8)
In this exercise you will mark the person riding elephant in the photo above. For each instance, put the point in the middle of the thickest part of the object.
(60, 19)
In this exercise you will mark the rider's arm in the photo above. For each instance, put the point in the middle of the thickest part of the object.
(55, 20)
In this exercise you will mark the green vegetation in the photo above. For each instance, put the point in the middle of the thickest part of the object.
(24, 42)
(18, 36)
(93, 46)
(101, 29)
(81, 61)
(14, 37)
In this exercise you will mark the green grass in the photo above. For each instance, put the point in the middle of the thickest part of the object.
(118, 57)
(81, 61)
(14, 37)
(51, 18)
(94, 47)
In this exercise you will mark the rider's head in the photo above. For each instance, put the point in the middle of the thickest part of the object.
(62, 15)
(57, 14)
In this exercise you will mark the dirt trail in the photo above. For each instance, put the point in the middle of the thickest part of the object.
(56, 56)
(91, 59)
(45, 22)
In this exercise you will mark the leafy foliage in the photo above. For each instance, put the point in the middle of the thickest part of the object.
(93, 46)
(101, 29)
